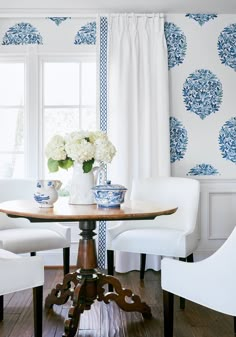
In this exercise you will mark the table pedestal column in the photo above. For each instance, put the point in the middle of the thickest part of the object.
(86, 285)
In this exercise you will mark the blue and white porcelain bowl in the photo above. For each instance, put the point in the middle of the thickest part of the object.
(108, 195)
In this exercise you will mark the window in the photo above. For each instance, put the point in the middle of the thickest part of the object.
(12, 108)
(40, 97)
(69, 100)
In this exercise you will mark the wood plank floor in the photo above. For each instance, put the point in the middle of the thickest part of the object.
(109, 321)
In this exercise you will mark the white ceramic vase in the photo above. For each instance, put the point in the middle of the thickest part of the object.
(81, 186)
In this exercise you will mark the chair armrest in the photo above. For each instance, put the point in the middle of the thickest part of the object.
(210, 282)
(28, 270)
(10, 223)
(62, 230)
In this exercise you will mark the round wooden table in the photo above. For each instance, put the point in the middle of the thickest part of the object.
(86, 284)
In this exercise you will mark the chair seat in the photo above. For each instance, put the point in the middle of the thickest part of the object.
(23, 240)
(160, 242)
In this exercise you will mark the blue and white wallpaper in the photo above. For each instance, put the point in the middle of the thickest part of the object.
(202, 76)
(63, 34)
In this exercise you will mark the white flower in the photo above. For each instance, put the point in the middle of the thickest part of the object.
(80, 150)
(56, 148)
(97, 135)
(105, 150)
(84, 147)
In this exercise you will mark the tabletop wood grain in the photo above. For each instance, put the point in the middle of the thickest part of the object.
(63, 211)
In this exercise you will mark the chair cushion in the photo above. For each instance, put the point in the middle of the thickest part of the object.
(150, 241)
(24, 240)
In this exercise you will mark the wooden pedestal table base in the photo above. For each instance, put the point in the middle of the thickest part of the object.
(86, 285)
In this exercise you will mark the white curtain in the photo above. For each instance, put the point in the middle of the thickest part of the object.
(138, 105)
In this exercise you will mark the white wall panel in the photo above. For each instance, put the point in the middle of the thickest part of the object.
(222, 214)
(217, 214)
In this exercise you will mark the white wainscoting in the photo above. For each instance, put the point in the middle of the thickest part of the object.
(217, 214)
(216, 220)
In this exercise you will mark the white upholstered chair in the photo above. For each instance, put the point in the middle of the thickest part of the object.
(19, 236)
(20, 273)
(210, 282)
(173, 235)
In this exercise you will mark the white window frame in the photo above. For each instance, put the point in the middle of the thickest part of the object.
(33, 112)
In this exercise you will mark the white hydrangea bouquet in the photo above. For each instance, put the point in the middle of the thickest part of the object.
(83, 147)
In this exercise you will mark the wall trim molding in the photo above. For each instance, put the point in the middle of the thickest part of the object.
(214, 181)
(48, 12)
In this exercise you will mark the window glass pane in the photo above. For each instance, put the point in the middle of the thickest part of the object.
(64, 176)
(88, 118)
(12, 83)
(60, 121)
(61, 83)
(66, 91)
(11, 165)
(11, 130)
(88, 84)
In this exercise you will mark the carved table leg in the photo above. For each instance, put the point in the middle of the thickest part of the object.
(88, 285)
(85, 292)
(120, 295)
(84, 295)
(63, 291)
(71, 324)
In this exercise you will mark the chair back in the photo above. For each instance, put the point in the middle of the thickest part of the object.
(11, 189)
(171, 191)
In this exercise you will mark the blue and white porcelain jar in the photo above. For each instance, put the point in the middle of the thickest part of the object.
(46, 192)
(109, 195)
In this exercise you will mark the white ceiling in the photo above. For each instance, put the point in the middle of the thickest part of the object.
(105, 6)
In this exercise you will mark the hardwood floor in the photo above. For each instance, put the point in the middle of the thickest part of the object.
(109, 321)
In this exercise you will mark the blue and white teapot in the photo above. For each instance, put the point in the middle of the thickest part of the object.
(47, 192)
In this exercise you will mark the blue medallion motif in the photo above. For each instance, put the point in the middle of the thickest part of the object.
(58, 19)
(202, 93)
(227, 140)
(178, 140)
(176, 44)
(226, 46)
(86, 34)
(22, 33)
(201, 18)
(203, 170)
